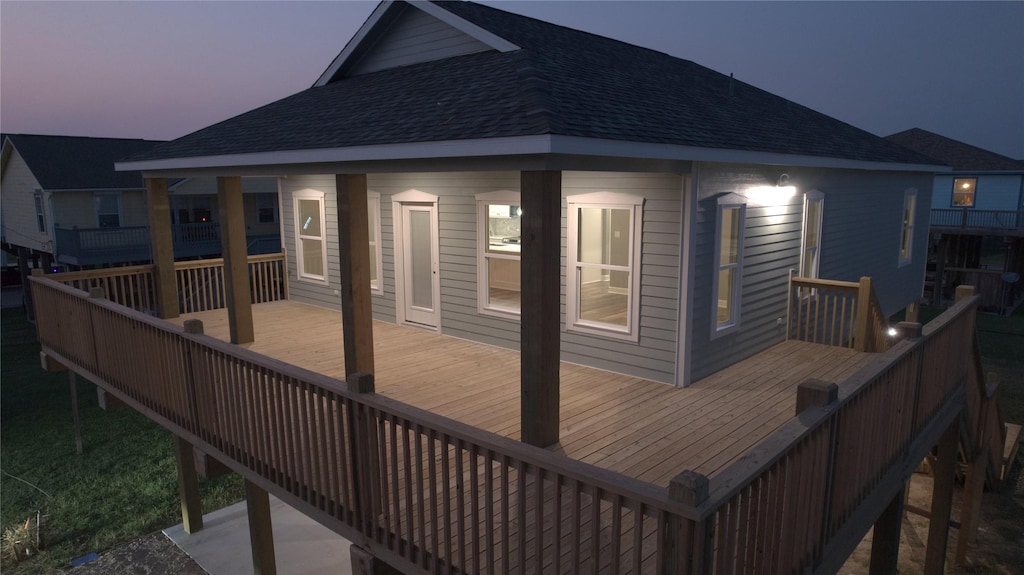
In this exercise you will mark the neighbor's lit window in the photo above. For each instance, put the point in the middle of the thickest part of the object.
(728, 264)
(311, 253)
(603, 269)
(498, 255)
(963, 192)
(907, 227)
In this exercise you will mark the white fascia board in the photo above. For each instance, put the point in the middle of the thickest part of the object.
(493, 40)
(513, 146)
(354, 42)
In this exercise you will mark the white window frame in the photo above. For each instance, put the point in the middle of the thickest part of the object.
(376, 284)
(301, 273)
(906, 252)
(96, 199)
(483, 255)
(728, 202)
(811, 197)
(610, 201)
(40, 208)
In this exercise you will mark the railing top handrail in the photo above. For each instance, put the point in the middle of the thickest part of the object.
(608, 481)
(267, 257)
(100, 273)
(765, 454)
(213, 262)
(816, 282)
(976, 210)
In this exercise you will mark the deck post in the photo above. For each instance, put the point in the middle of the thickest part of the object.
(365, 449)
(162, 247)
(970, 508)
(103, 399)
(261, 532)
(863, 328)
(541, 195)
(354, 256)
(188, 486)
(963, 292)
(885, 539)
(907, 330)
(686, 550)
(913, 312)
(944, 474)
(236, 259)
(814, 392)
(73, 385)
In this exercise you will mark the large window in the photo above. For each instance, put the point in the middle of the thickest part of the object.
(810, 245)
(191, 209)
(37, 197)
(728, 263)
(108, 210)
(963, 192)
(498, 263)
(907, 227)
(310, 244)
(373, 209)
(603, 269)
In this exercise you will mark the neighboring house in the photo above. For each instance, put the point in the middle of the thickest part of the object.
(977, 220)
(65, 205)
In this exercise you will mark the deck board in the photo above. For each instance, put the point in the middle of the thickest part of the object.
(644, 429)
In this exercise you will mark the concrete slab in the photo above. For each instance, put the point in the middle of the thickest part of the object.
(301, 546)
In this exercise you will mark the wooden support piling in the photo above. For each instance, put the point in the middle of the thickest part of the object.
(354, 256)
(236, 259)
(188, 486)
(261, 532)
(885, 540)
(942, 500)
(161, 241)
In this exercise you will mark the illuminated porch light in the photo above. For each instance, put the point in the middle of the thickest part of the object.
(893, 332)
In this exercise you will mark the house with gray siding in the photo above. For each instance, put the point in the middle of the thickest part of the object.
(640, 212)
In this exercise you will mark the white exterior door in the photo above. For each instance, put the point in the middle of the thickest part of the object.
(419, 285)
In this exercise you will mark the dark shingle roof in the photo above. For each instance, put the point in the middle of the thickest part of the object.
(78, 163)
(954, 153)
(562, 82)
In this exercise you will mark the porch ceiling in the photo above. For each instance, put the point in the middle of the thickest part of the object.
(644, 429)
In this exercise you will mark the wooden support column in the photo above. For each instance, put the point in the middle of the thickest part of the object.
(885, 539)
(236, 259)
(188, 486)
(963, 292)
(261, 532)
(354, 255)
(944, 474)
(970, 506)
(688, 549)
(541, 236)
(162, 248)
(863, 328)
(814, 392)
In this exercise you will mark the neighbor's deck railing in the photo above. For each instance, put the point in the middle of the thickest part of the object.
(416, 487)
(837, 313)
(967, 218)
(200, 283)
(793, 503)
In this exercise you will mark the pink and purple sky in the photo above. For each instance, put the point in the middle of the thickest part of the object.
(160, 70)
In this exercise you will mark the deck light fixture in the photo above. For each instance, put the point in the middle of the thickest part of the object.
(893, 332)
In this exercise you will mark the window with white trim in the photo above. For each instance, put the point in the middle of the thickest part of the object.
(37, 198)
(108, 209)
(907, 227)
(603, 264)
(310, 236)
(498, 253)
(730, 218)
(376, 258)
(810, 241)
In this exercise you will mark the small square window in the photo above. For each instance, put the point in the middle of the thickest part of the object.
(963, 192)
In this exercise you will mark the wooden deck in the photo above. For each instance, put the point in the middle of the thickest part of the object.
(643, 429)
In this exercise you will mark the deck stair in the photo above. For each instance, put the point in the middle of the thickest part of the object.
(1010, 448)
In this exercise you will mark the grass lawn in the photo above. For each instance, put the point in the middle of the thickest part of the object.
(124, 484)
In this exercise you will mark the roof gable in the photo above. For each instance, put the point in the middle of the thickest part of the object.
(77, 163)
(959, 155)
(400, 34)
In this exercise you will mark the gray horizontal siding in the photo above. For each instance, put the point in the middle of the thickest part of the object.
(860, 236)
(413, 38)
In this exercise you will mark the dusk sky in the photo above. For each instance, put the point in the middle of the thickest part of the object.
(160, 70)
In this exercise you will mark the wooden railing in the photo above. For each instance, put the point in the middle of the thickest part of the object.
(837, 313)
(424, 492)
(805, 496)
(964, 218)
(200, 283)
